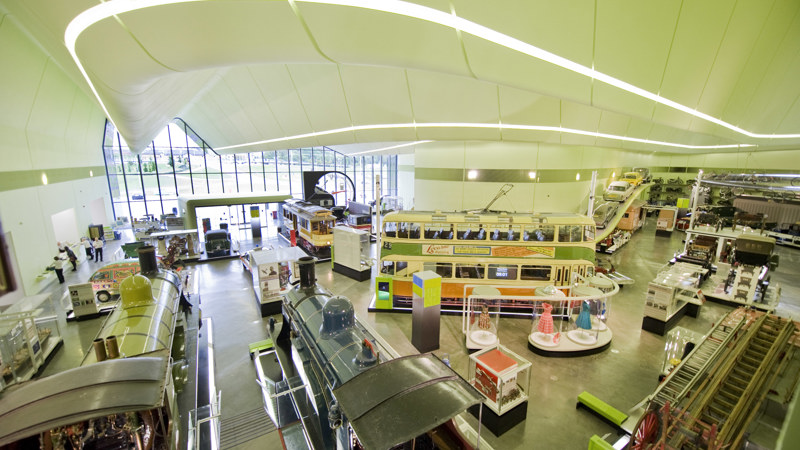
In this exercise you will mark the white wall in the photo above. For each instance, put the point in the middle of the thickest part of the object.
(567, 194)
(47, 125)
(405, 179)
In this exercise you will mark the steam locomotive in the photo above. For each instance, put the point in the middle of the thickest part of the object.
(127, 391)
(340, 388)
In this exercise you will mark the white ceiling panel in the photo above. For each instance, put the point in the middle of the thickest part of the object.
(531, 136)
(564, 27)
(275, 84)
(734, 55)
(613, 123)
(255, 109)
(781, 17)
(438, 97)
(780, 88)
(697, 40)
(393, 134)
(522, 107)
(633, 39)
(446, 133)
(113, 58)
(240, 71)
(320, 90)
(243, 32)
(382, 39)
(610, 98)
(17, 87)
(376, 95)
(503, 66)
(579, 117)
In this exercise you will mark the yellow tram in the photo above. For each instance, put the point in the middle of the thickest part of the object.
(311, 225)
(516, 251)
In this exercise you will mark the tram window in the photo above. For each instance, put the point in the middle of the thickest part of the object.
(439, 231)
(502, 271)
(387, 267)
(541, 233)
(588, 233)
(415, 231)
(538, 273)
(512, 233)
(569, 233)
(400, 267)
(444, 270)
(465, 231)
(402, 229)
(470, 271)
(495, 235)
(390, 229)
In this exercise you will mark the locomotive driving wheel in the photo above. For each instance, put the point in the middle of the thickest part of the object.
(647, 431)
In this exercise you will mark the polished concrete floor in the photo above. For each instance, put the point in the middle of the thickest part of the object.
(621, 375)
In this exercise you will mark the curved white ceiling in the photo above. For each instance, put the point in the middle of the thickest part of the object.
(670, 75)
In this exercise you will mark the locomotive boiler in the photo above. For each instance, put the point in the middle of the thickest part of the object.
(340, 387)
(125, 394)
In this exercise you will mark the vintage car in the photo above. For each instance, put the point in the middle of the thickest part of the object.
(618, 191)
(604, 212)
(634, 178)
(218, 242)
(105, 282)
(645, 172)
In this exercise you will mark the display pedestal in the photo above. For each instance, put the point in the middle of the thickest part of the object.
(358, 275)
(500, 424)
(426, 310)
(663, 233)
(660, 327)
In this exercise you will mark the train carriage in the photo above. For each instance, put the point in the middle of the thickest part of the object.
(516, 251)
(312, 226)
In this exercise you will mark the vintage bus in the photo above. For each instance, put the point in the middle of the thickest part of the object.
(311, 224)
(515, 250)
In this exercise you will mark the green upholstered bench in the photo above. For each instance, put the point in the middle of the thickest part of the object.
(602, 408)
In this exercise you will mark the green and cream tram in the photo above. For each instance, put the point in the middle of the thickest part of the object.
(311, 225)
(516, 251)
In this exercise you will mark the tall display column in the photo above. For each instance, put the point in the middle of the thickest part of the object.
(426, 306)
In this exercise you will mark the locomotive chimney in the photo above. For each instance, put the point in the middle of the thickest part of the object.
(147, 259)
(308, 277)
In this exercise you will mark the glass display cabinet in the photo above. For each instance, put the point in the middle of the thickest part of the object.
(29, 334)
(502, 376)
(481, 317)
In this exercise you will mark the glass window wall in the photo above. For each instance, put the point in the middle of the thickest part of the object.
(180, 163)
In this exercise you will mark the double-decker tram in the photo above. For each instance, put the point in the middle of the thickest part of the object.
(312, 226)
(516, 252)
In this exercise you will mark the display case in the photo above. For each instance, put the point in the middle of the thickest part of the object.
(272, 270)
(502, 376)
(673, 292)
(481, 317)
(29, 334)
(574, 323)
(351, 253)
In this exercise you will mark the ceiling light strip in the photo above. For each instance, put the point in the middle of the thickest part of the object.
(499, 127)
(111, 8)
(408, 144)
(482, 32)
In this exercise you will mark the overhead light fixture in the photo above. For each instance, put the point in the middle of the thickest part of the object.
(44, 178)
(577, 176)
(112, 8)
(613, 174)
(472, 174)
(91, 173)
(498, 126)
(532, 175)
